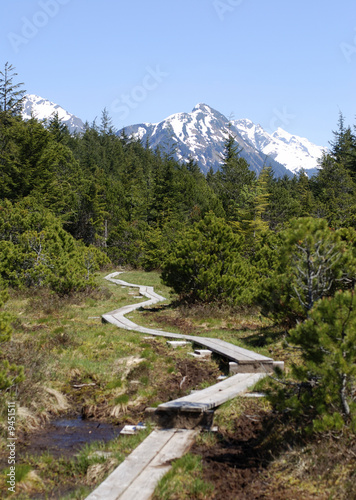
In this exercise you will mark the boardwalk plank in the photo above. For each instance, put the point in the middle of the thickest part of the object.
(152, 459)
(121, 478)
(213, 396)
(144, 485)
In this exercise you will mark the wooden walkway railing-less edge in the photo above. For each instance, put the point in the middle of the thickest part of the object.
(137, 477)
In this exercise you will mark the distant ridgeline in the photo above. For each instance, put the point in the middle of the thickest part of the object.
(201, 135)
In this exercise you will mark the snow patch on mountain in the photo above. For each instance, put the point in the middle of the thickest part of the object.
(43, 109)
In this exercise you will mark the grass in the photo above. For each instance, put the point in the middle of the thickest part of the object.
(303, 466)
(184, 481)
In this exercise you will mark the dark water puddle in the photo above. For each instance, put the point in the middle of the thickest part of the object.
(66, 436)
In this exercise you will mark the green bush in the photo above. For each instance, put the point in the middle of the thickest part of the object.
(35, 251)
(207, 265)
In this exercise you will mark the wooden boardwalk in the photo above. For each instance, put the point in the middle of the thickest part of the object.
(137, 477)
(196, 410)
(253, 360)
(215, 395)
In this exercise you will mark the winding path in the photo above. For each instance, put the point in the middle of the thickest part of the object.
(137, 477)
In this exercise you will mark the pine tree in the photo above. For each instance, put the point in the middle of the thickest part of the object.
(313, 261)
(11, 94)
(205, 264)
(327, 376)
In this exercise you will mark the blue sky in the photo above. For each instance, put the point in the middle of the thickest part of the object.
(280, 63)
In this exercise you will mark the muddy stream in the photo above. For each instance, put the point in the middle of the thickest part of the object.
(66, 436)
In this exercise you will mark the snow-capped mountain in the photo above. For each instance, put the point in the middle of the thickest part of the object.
(42, 109)
(291, 151)
(201, 135)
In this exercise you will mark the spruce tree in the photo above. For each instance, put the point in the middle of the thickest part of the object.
(11, 94)
(334, 193)
(58, 129)
(235, 174)
(255, 201)
(343, 147)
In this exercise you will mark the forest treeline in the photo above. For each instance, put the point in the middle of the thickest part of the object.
(114, 193)
(71, 203)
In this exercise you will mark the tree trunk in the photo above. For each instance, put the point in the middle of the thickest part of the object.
(344, 402)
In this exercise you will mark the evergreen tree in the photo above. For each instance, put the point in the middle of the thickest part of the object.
(106, 125)
(254, 202)
(321, 387)
(334, 192)
(234, 176)
(343, 147)
(283, 202)
(313, 261)
(11, 94)
(206, 264)
(58, 129)
(35, 250)
(304, 194)
(12, 177)
(163, 189)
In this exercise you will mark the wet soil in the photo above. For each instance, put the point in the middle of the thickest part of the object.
(237, 463)
(241, 464)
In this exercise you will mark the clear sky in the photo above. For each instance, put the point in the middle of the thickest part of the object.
(280, 63)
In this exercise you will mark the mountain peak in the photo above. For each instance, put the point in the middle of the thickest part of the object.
(42, 109)
(201, 135)
(203, 107)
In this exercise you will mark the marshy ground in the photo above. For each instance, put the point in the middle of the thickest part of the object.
(85, 380)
